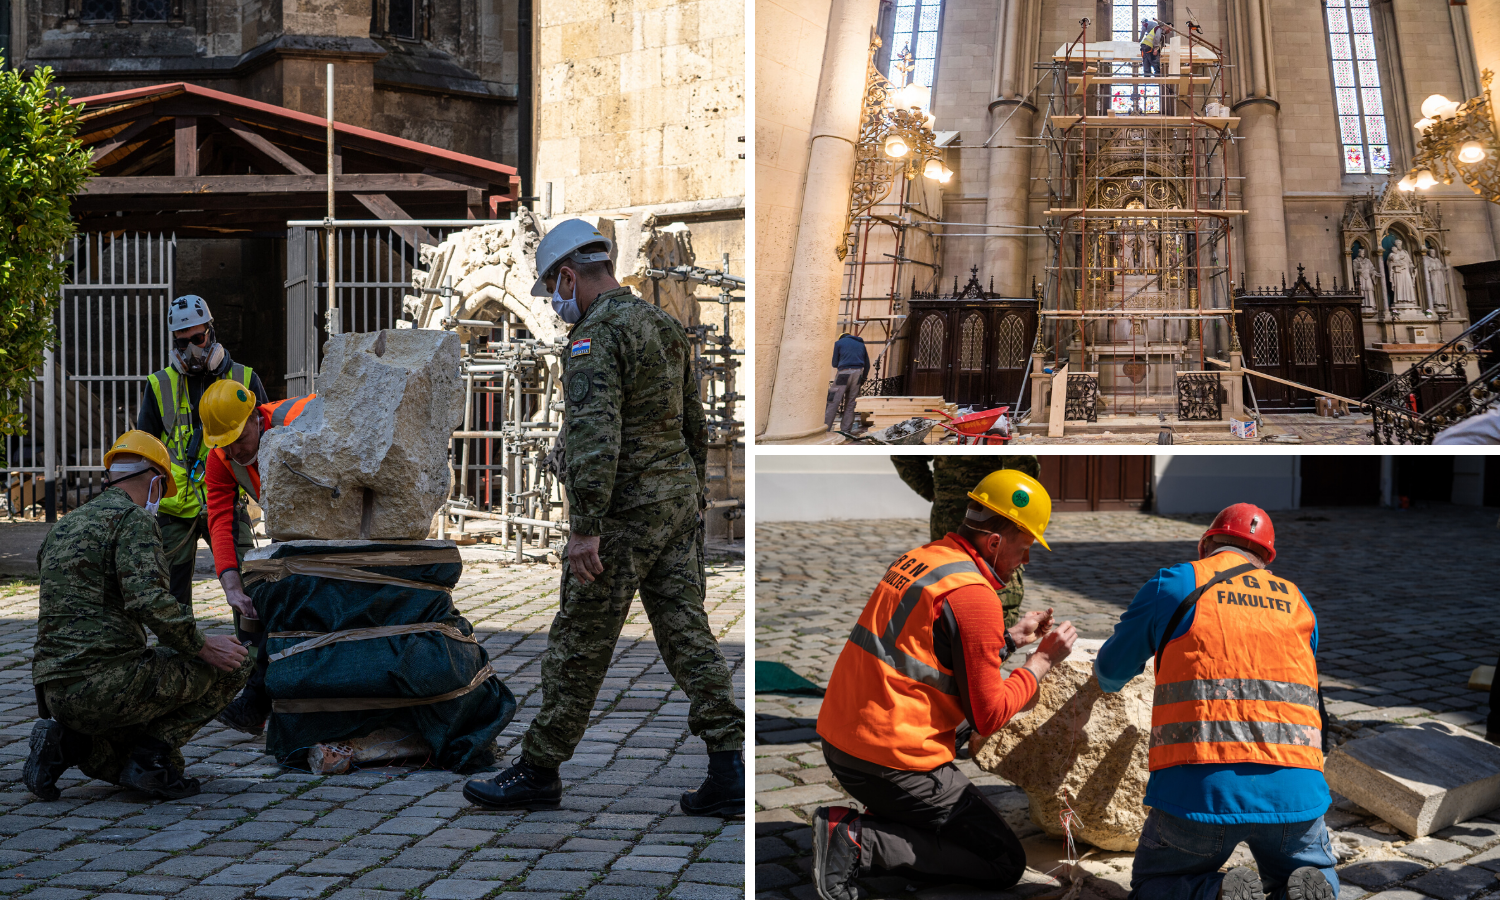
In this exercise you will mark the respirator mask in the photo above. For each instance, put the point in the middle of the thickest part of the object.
(197, 354)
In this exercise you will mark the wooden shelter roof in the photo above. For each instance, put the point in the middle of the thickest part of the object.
(179, 157)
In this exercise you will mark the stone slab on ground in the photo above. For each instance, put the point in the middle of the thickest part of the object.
(1420, 779)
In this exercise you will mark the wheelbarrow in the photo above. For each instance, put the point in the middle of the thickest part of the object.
(973, 428)
(910, 431)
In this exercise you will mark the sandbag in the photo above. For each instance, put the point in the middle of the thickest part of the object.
(363, 635)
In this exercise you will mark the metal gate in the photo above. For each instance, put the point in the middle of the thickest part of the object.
(111, 334)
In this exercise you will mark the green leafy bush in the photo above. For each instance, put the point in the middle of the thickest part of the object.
(42, 165)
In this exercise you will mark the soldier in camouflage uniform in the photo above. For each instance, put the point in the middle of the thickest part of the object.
(947, 484)
(635, 456)
(120, 711)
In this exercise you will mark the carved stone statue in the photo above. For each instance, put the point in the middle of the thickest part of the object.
(1402, 272)
(1436, 273)
(1367, 276)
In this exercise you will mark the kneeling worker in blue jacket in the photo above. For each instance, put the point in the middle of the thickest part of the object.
(1236, 731)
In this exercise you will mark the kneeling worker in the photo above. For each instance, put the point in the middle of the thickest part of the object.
(232, 426)
(121, 711)
(926, 655)
(1235, 730)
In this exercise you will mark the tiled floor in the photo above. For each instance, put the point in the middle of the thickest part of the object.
(1407, 602)
(259, 830)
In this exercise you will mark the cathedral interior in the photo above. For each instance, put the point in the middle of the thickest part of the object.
(1250, 202)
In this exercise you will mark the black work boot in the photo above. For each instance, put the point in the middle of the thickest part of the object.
(723, 791)
(149, 769)
(46, 762)
(522, 786)
(836, 853)
(247, 713)
(1240, 883)
(1308, 883)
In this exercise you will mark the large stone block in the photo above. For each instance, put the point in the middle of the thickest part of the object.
(1079, 741)
(1420, 779)
(369, 458)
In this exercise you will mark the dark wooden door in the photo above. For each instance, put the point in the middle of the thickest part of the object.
(1340, 480)
(1012, 348)
(1096, 483)
(929, 359)
(1345, 345)
(970, 366)
(1266, 350)
(1303, 364)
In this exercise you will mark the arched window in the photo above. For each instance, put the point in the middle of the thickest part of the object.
(1267, 343)
(971, 343)
(1125, 25)
(1011, 351)
(1304, 339)
(1356, 87)
(1341, 336)
(916, 26)
(930, 343)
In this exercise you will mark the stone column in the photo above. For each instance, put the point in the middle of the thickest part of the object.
(1484, 26)
(1264, 223)
(812, 304)
(1007, 203)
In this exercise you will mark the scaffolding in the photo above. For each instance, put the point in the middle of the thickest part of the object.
(1141, 211)
(505, 459)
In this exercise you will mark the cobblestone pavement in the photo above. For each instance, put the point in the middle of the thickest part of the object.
(263, 831)
(1397, 645)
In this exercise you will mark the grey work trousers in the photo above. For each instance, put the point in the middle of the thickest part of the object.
(928, 826)
(845, 387)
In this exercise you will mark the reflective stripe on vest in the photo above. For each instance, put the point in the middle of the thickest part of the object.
(884, 647)
(179, 434)
(890, 701)
(1241, 684)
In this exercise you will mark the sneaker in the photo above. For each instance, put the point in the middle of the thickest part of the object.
(836, 853)
(150, 771)
(45, 764)
(246, 713)
(723, 791)
(522, 786)
(1308, 883)
(1241, 883)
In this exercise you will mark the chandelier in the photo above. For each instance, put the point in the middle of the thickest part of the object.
(1458, 140)
(895, 136)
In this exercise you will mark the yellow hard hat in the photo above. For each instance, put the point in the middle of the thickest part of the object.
(148, 448)
(225, 408)
(1018, 497)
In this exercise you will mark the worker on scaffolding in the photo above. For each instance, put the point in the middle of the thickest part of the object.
(232, 427)
(1236, 726)
(635, 452)
(1151, 38)
(927, 654)
(851, 366)
(111, 705)
(169, 410)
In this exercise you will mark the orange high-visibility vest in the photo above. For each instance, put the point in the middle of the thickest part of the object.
(890, 701)
(1241, 685)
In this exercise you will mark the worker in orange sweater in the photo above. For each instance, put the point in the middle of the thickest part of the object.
(232, 427)
(926, 655)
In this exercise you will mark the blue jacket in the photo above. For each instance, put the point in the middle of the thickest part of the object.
(849, 353)
(1224, 793)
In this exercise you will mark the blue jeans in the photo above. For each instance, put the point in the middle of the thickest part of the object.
(1178, 859)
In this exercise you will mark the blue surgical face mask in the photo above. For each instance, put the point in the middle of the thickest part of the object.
(567, 307)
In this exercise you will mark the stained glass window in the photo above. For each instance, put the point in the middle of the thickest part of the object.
(916, 28)
(1356, 82)
(1133, 99)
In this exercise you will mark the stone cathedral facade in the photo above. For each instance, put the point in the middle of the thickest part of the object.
(1310, 103)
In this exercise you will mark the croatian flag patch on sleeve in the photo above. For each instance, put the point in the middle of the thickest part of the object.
(581, 347)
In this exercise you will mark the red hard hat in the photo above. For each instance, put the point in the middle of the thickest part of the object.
(1246, 521)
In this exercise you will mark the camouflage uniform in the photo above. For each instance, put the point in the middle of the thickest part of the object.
(948, 483)
(103, 583)
(636, 446)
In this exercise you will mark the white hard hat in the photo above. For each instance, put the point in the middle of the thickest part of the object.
(187, 311)
(560, 243)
